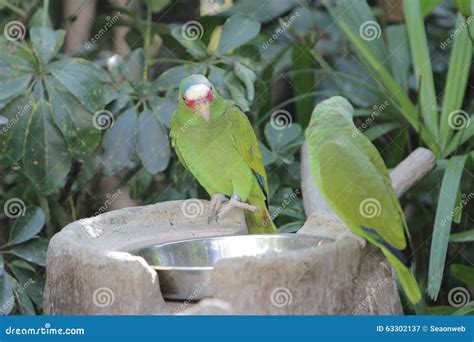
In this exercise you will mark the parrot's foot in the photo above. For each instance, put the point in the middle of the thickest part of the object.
(216, 202)
(234, 202)
(349, 234)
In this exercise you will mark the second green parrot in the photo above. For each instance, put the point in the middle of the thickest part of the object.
(214, 140)
(355, 182)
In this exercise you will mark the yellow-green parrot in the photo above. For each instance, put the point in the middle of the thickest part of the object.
(214, 140)
(354, 181)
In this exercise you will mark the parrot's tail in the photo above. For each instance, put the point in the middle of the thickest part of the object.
(405, 277)
(408, 281)
(259, 222)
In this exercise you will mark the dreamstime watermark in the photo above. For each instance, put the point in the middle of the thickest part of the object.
(192, 30)
(456, 33)
(370, 299)
(288, 198)
(20, 290)
(458, 297)
(109, 22)
(103, 119)
(280, 297)
(109, 199)
(377, 110)
(370, 30)
(21, 110)
(192, 208)
(281, 119)
(285, 23)
(14, 207)
(46, 330)
(14, 30)
(458, 120)
(458, 208)
(370, 208)
(103, 296)
(193, 297)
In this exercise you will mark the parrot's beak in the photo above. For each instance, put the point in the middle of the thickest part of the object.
(203, 109)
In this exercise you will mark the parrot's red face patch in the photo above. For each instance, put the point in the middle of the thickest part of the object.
(191, 101)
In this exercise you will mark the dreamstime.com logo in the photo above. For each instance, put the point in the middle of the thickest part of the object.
(46, 330)
(281, 119)
(458, 297)
(14, 30)
(192, 208)
(370, 30)
(110, 21)
(370, 208)
(192, 30)
(281, 297)
(14, 207)
(103, 297)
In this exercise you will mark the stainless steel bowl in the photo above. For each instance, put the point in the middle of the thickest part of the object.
(184, 267)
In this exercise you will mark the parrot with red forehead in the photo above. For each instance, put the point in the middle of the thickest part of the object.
(214, 140)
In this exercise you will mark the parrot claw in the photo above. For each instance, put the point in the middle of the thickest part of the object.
(216, 202)
(349, 234)
(234, 202)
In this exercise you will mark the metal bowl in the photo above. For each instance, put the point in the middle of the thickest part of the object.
(184, 267)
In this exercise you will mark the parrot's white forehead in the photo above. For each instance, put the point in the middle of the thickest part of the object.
(196, 92)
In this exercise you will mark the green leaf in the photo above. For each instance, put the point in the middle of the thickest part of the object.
(399, 54)
(400, 99)
(379, 130)
(421, 63)
(443, 220)
(195, 47)
(456, 82)
(81, 79)
(46, 160)
(74, 121)
(163, 108)
(2, 265)
(152, 143)
(427, 6)
(119, 142)
(31, 283)
(134, 68)
(12, 134)
(237, 92)
(46, 43)
(27, 225)
(7, 300)
(254, 9)
(465, 310)
(237, 31)
(171, 78)
(157, 5)
(267, 155)
(12, 87)
(467, 236)
(303, 82)
(248, 77)
(33, 251)
(465, 7)
(25, 305)
(464, 274)
(280, 137)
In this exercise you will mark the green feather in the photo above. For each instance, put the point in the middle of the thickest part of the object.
(223, 154)
(355, 183)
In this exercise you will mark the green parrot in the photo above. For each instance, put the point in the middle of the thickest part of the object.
(355, 182)
(214, 140)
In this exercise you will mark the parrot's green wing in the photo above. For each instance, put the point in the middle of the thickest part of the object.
(174, 134)
(245, 141)
(364, 201)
